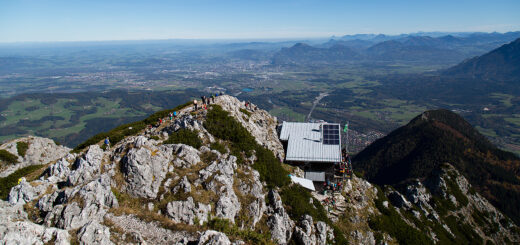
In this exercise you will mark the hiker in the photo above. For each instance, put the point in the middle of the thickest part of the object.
(174, 114)
(107, 143)
(195, 105)
(203, 99)
(213, 98)
(171, 116)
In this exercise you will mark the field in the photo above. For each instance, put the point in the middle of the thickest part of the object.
(70, 119)
(71, 96)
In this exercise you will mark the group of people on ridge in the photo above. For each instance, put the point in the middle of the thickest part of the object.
(205, 101)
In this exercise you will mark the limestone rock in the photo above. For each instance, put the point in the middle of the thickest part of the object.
(322, 232)
(144, 169)
(228, 205)
(60, 169)
(184, 185)
(211, 237)
(304, 233)
(279, 222)
(94, 233)
(189, 154)
(186, 211)
(40, 151)
(15, 228)
(95, 199)
(87, 167)
(25, 192)
(398, 200)
(260, 124)
(150, 232)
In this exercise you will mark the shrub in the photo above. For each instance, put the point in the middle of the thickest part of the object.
(270, 169)
(219, 147)
(457, 193)
(119, 133)
(223, 225)
(8, 182)
(7, 157)
(22, 148)
(223, 126)
(296, 198)
(391, 222)
(184, 136)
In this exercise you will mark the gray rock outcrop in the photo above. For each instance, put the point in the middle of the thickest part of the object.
(304, 232)
(187, 211)
(16, 228)
(211, 237)
(279, 222)
(144, 170)
(87, 167)
(40, 151)
(260, 124)
(94, 233)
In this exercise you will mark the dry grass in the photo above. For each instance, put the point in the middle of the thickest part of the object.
(208, 157)
(134, 206)
(74, 240)
(33, 213)
(244, 218)
(38, 173)
(117, 234)
(149, 216)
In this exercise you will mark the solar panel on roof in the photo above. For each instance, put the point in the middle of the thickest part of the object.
(330, 134)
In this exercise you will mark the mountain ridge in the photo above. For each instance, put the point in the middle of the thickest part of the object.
(502, 63)
(217, 176)
(439, 136)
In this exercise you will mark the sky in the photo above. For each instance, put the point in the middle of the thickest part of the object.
(94, 20)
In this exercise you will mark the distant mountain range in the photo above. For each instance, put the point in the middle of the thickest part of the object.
(447, 49)
(302, 53)
(500, 64)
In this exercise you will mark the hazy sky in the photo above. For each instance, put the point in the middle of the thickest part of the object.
(74, 20)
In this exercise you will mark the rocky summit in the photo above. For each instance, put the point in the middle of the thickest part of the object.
(216, 176)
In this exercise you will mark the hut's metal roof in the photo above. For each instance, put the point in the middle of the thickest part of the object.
(305, 143)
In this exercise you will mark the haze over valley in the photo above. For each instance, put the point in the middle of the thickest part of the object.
(377, 82)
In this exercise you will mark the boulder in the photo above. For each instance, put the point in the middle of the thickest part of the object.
(94, 233)
(40, 151)
(211, 237)
(186, 211)
(60, 169)
(15, 228)
(322, 231)
(25, 192)
(304, 232)
(184, 185)
(279, 222)
(87, 167)
(189, 154)
(144, 170)
(228, 205)
(93, 202)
